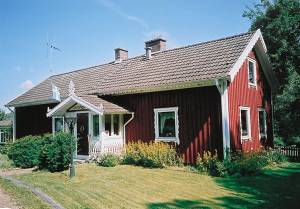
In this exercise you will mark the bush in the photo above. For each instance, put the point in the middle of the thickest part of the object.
(108, 160)
(4, 148)
(25, 152)
(152, 155)
(210, 164)
(56, 152)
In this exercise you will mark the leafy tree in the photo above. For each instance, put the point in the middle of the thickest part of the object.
(2, 114)
(279, 21)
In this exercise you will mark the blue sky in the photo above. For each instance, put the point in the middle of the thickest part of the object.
(87, 31)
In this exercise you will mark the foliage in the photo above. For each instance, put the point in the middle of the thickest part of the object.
(153, 155)
(108, 160)
(244, 164)
(4, 148)
(210, 164)
(249, 164)
(279, 21)
(4, 115)
(25, 152)
(5, 162)
(56, 151)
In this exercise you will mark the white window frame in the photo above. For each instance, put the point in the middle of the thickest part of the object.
(248, 137)
(53, 123)
(265, 122)
(156, 125)
(112, 125)
(254, 73)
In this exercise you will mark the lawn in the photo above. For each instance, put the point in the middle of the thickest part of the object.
(136, 187)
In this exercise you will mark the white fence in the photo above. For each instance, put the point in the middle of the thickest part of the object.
(106, 145)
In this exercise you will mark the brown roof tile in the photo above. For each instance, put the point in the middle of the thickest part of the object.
(203, 61)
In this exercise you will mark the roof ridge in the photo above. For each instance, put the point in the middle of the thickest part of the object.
(176, 48)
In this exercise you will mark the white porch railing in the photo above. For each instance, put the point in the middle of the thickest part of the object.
(106, 145)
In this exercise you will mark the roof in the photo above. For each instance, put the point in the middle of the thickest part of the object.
(5, 123)
(196, 63)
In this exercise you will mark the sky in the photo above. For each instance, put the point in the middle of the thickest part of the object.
(88, 31)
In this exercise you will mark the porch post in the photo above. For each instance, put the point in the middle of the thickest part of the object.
(222, 87)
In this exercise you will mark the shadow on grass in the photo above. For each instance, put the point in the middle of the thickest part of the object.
(275, 188)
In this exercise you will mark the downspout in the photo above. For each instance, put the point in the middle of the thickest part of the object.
(272, 119)
(14, 122)
(124, 137)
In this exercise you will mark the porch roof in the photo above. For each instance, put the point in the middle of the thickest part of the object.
(90, 102)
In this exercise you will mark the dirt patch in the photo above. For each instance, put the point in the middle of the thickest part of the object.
(6, 201)
(15, 171)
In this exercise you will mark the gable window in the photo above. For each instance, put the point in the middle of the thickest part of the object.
(58, 124)
(245, 125)
(251, 72)
(112, 124)
(166, 124)
(262, 123)
(96, 125)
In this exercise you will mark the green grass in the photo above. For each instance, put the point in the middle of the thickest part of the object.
(5, 163)
(24, 198)
(136, 187)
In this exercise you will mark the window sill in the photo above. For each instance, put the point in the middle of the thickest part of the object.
(166, 139)
(252, 85)
(248, 138)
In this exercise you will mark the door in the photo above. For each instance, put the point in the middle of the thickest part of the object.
(82, 133)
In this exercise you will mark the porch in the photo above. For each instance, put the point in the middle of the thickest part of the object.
(98, 125)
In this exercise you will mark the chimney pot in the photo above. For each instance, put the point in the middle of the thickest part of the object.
(121, 54)
(156, 45)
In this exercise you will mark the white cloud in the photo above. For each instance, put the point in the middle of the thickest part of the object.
(115, 8)
(171, 41)
(26, 85)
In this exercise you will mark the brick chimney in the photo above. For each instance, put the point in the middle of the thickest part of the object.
(121, 54)
(156, 45)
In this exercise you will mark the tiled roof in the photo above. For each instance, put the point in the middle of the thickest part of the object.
(198, 62)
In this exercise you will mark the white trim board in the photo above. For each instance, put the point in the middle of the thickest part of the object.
(75, 99)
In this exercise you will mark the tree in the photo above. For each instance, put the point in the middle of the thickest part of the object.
(2, 114)
(279, 21)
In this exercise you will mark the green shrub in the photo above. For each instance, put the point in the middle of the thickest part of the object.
(108, 160)
(210, 164)
(56, 151)
(25, 152)
(4, 148)
(153, 155)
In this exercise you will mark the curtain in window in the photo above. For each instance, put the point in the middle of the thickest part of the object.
(166, 124)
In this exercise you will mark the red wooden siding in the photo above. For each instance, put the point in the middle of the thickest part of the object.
(199, 115)
(32, 120)
(240, 94)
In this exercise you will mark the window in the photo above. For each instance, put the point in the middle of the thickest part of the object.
(166, 124)
(2, 139)
(262, 123)
(112, 124)
(251, 72)
(58, 124)
(245, 123)
(96, 125)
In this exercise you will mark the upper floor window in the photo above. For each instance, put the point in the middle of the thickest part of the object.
(245, 124)
(262, 122)
(251, 72)
(166, 124)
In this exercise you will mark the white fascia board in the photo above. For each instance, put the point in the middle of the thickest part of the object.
(78, 100)
(257, 42)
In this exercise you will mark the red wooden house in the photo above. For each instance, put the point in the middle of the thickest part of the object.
(206, 96)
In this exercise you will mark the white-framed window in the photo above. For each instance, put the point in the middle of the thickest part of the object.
(262, 122)
(58, 124)
(2, 139)
(251, 72)
(245, 123)
(166, 124)
(96, 128)
(112, 124)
